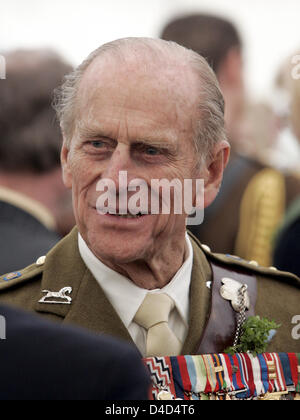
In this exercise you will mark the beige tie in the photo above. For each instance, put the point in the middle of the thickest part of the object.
(153, 315)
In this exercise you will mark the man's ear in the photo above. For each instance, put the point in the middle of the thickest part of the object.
(65, 164)
(214, 171)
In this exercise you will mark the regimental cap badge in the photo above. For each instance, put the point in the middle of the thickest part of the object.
(59, 298)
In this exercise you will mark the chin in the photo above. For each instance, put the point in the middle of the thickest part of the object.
(118, 250)
(120, 255)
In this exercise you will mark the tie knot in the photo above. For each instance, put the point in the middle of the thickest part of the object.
(155, 309)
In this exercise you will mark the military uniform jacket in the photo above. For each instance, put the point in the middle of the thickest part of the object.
(278, 294)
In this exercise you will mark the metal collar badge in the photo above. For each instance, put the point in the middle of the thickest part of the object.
(60, 298)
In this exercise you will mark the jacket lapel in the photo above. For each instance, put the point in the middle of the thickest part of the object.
(200, 297)
(63, 268)
(93, 310)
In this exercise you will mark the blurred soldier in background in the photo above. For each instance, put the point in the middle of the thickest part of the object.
(286, 154)
(253, 197)
(287, 246)
(34, 204)
(219, 42)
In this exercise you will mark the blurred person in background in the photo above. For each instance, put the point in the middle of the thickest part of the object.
(219, 42)
(34, 204)
(66, 363)
(260, 129)
(287, 244)
(253, 197)
(286, 154)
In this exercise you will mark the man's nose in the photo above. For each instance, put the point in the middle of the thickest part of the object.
(120, 161)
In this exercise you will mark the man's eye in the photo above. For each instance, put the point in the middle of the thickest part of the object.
(97, 144)
(152, 151)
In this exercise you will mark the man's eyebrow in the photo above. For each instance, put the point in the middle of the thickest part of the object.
(154, 142)
(166, 139)
(90, 133)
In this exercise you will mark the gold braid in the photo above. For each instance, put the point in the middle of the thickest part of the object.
(262, 210)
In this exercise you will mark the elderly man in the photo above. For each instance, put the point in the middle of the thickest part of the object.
(150, 109)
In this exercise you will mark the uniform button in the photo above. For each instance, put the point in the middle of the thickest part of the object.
(206, 248)
(254, 263)
(41, 261)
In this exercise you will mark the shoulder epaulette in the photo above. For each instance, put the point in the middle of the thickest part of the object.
(250, 266)
(19, 277)
(234, 261)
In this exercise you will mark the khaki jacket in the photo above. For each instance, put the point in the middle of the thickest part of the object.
(278, 294)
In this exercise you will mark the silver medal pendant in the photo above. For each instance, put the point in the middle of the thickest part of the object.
(231, 291)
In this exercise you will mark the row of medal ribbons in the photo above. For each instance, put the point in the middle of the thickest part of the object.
(224, 376)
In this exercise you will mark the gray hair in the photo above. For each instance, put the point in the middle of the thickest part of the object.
(210, 128)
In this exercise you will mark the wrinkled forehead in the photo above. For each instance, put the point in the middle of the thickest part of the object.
(151, 79)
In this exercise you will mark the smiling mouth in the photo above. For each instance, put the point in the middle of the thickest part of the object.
(122, 215)
(128, 215)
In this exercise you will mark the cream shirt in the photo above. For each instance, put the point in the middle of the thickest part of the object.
(126, 297)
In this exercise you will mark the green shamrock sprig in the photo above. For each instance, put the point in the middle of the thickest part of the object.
(255, 336)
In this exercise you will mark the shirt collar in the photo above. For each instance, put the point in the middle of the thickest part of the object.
(126, 297)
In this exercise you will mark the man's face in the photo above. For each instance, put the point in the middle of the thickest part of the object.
(134, 121)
